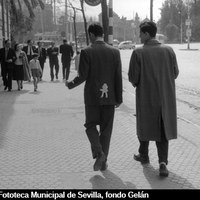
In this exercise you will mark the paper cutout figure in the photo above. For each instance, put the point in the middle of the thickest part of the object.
(104, 90)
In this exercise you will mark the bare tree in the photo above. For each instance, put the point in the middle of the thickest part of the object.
(151, 10)
(85, 21)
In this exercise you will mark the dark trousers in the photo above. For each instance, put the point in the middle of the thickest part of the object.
(42, 66)
(162, 147)
(8, 76)
(99, 139)
(53, 63)
(66, 69)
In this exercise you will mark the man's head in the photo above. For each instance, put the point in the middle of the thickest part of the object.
(52, 44)
(7, 43)
(148, 31)
(95, 30)
(64, 41)
(29, 42)
(39, 44)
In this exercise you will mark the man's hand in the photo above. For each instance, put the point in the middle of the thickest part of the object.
(117, 105)
(66, 83)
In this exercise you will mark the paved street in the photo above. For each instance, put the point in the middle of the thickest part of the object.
(43, 144)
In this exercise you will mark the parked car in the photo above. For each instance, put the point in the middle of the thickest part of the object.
(115, 43)
(126, 45)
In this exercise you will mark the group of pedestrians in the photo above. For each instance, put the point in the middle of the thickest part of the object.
(152, 71)
(21, 62)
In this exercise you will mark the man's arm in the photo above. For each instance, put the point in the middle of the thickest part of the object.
(118, 80)
(83, 71)
(134, 70)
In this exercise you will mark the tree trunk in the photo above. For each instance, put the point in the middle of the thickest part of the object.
(151, 10)
(85, 21)
(105, 19)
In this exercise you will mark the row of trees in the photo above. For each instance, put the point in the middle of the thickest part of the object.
(174, 14)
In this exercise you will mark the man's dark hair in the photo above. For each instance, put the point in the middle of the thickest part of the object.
(64, 41)
(96, 29)
(28, 41)
(149, 27)
(6, 41)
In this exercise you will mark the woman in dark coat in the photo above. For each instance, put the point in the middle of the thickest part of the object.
(21, 69)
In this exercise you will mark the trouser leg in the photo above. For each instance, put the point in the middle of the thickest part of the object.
(67, 70)
(162, 146)
(57, 68)
(144, 148)
(92, 120)
(106, 126)
(10, 76)
(64, 70)
(51, 70)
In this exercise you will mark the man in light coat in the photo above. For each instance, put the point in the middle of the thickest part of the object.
(100, 67)
(153, 69)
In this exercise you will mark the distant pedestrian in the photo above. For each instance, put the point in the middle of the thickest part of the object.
(66, 56)
(29, 49)
(21, 69)
(35, 71)
(41, 51)
(7, 59)
(53, 52)
(153, 70)
(100, 67)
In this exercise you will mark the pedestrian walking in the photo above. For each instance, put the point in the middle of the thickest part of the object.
(100, 67)
(29, 49)
(153, 69)
(41, 51)
(35, 70)
(53, 52)
(7, 59)
(21, 70)
(66, 56)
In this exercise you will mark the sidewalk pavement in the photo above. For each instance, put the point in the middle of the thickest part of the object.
(43, 144)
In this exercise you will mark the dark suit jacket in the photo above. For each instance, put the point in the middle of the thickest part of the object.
(100, 66)
(42, 55)
(50, 51)
(25, 49)
(11, 55)
(67, 52)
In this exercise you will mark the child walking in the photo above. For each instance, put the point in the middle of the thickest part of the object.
(36, 70)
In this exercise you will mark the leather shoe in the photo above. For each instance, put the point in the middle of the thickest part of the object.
(104, 166)
(163, 170)
(5, 88)
(101, 158)
(142, 159)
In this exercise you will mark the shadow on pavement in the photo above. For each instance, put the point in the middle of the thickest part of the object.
(174, 181)
(109, 180)
(7, 102)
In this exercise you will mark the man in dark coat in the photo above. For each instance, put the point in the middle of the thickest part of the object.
(52, 53)
(30, 49)
(100, 67)
(41, 51)
(153, 70)
(66, 56)
(7, 59)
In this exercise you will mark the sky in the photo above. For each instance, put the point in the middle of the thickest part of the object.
(128, 8)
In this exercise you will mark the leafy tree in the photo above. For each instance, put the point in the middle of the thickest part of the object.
(172, 13)
(22, 15)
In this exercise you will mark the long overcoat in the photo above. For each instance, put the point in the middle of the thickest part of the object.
(152, 70)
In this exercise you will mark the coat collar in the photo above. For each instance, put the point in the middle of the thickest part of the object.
(152, 42)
